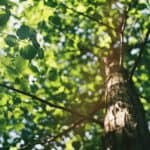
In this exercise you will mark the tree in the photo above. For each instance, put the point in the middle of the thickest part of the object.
(74, 74)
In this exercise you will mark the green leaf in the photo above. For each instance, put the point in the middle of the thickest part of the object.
(17, 100)
(76, 144)
(62, 7)
(34, 88)
(28, 52)
(2, 124)
(23, 32)
(53, 74)
(141, 6)
(55, 20)
(11, 40)
(4, 17)
(34, 68)
(50, 3)
(59, 97)
(40, 53)
(35, 43)
(3, 2)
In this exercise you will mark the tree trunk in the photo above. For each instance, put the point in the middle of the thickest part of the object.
(124, 124)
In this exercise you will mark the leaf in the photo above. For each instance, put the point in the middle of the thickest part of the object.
(17, 80)
(59, 97)
(20, 64)
(142, 6)
(3, 101)
(35, 42)
(2, 124)
(55, 20)
(50, 3)
(17, 100)
(40, 53)
(11, 40)
(76, 144)
(53, 74)
(4, 17)
(34, 68)
(62, 7)
(34, 88)
(28, 52)
(3, 2)
(23, 32)
(26, 134)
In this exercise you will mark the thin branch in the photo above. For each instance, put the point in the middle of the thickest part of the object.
(122, 29)
(123, 25)
(51, 104)
(142, 46)
(76, 125)
(36, 98)
(73, 126)
(48, 140)
(88, 16)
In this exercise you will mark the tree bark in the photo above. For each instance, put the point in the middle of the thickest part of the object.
(124, 124)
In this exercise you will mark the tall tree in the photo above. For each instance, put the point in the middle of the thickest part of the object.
(74, 74)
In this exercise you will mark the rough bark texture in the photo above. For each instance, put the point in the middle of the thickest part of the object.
(124, 123)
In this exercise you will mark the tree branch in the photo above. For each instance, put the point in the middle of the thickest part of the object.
(47, 140)
(52, 105)
(35, 97)
(142, 46)
(88, 16)
(73, 126)
(123, 25)
(77, 123)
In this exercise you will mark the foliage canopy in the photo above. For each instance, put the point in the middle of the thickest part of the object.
(51, 51)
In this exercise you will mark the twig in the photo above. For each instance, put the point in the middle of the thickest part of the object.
(35, 97)
(121, 32)
(77, 123)
(142, 46)
(123, 25)
(88, 16)
(73, 126)
(51, 104)
(48, 140)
